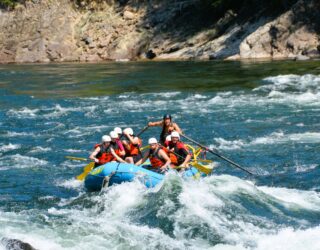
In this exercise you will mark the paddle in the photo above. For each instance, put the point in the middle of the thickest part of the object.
(216, 153)
(90, 166)
(205, 169)
(86, 171)
(76, 158)
(144, 129)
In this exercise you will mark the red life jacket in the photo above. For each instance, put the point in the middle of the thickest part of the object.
(155, 159)
(104, 155)
(177, 148)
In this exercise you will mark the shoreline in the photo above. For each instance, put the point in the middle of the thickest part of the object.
(245, 60)
(57, 31)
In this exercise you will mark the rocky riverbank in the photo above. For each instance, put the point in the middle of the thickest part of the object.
(60, 30)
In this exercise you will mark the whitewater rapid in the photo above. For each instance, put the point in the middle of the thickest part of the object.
(272, 129)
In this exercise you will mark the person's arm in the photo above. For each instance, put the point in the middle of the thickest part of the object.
(141, 161)
(187, 156)
(133, 140)
(154, 124)
(126, 145)
(177, 128)
(164, 156)
(94, 154)
(122, 152)
(186, 161)
(116, 156)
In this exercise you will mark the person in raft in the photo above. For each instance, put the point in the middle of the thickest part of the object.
(117, 144)
(160, 161)
(179, 154)
(132, 146)
(104, 152)
(118, 130)
(167, 127)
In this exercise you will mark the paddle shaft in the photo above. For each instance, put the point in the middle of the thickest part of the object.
(144, 129)
(217, 154)
(76, 158)
(140, 133)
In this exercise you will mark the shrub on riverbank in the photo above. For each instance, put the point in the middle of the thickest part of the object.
(8, 4)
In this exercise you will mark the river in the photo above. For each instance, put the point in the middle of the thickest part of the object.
(262, 115)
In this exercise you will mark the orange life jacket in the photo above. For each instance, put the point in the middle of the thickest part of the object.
(116, 148)
(155, 159)
(104, 155)
(172, 156)
(134, 148)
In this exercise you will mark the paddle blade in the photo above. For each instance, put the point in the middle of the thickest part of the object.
(202, 168)
(205, 160)
(86, 171)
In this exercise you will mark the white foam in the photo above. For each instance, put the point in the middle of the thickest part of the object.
(9, 147)
(21, 161)
(297, 82)
(74, 150)
(294, 199)
(47, 197)
(59, 111)
(23, 113)
(70, 184)
(305, 168)
(289, 238)
(162, 94)
(211, 204)
(271, 139)
(19, 134)
(228, 145)
(39, 149)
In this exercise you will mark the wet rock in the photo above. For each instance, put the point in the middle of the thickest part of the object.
(15, 244)
(302, 58)
(292, 33)
(88, 40)
(312, 53)
(150, 54)
(128, 15)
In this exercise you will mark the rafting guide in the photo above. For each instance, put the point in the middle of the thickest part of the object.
(167, 127)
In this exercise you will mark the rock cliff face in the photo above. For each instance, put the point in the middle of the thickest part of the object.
(58, 30)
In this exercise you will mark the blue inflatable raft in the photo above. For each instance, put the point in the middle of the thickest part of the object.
(116, 173)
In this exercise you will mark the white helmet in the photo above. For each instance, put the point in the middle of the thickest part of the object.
(118, 130)
(152, 140)
(175, 134)
(128, 131)
(168, 138)
(113, 135)
(106, 138)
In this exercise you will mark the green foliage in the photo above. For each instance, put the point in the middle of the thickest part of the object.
(8, 3)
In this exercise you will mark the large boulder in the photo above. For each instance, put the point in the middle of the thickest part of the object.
(294, 33)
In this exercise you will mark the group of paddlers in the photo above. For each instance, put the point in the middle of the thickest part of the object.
(124, 146)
